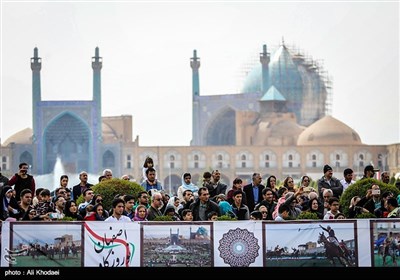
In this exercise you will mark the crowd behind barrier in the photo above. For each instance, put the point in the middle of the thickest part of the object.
(300, 243)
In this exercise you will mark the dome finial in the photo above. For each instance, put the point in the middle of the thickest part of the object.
(283, 41)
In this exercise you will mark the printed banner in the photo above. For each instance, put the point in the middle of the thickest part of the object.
(112, 244)
(316, 243)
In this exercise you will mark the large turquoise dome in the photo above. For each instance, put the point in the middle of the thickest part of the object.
(298, 79)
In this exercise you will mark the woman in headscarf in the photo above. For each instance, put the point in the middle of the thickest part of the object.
(187, 185)
(8, 204)
(140, 213)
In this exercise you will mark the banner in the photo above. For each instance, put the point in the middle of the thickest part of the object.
(316, 243)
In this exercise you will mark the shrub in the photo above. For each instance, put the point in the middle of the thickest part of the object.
(108, 189)
(163, 218)
(365, 216)
(226, 218)
(360, 188)
(68, 219)
(305, 215)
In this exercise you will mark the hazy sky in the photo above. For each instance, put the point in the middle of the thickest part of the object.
(146, 49)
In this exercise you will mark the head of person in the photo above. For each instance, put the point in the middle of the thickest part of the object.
(141, 212)
(385, 177)
(257, 179)
(148, 162)
(369, 171)
(102, 178)
(237, 197)
(188, 195)
(88, 194)
(187, 178)
(237, 183)
(339, 216)
(26, 196)
(256, 215)
(268, 194)
(313, 204)
(334, 204)
(64, 181)
(83, 176)
(225, 208)
(212, 216)
(23, 167)
(71, 208)
(206, 178)
(305, 181)
(328, 171)
(125, 177)
(68, 194)
(151, 174)
(264, 211)
(108, 173)
(282, 191)
(348, 174)
(99, 209)
(156, 200)
(327, 194)
(61, 191)
(45, 195)
(271, 182)
(392, 204)
(129, 201)
(204, 195)
(187, 215)
(143, 198)
(289, 183)
(216, 175)
(118, 206)
(375, 190)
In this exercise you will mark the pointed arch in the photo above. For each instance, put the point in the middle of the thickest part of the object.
(68, 137)
(222, 128)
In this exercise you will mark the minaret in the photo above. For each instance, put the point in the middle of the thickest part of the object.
(264, 59)
(36, 66)
(195, 65)
(97, 64)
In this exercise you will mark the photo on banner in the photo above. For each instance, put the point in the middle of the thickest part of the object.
(309, 243)
(385, 242)
(34, 245)
(176, 244)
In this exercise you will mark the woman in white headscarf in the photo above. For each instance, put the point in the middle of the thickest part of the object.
(187, 185)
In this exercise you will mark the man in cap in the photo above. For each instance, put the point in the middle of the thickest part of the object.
(329, 182)
(369, 172)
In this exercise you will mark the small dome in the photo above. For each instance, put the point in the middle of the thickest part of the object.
(286, 128)
(328, 131)
(278, 131)
(21, 137)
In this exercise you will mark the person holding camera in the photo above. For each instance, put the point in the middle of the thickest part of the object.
(22, 180)
(371, 200)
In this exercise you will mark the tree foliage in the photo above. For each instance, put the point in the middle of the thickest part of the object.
(108, 189)
(360, 188)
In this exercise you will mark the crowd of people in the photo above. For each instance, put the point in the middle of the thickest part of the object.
(21, 200)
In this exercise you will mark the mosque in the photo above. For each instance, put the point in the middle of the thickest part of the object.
(278, 124)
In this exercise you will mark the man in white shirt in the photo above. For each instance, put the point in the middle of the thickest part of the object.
(348, 178)
(118, 205)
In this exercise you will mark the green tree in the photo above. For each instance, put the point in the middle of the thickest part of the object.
(360, 188)
(108, 189)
